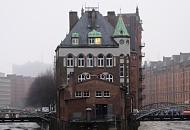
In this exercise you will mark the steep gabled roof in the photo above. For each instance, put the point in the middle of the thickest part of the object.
(120, 29)
(82, 28)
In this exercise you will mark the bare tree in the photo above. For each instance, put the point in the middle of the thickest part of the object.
(42, 91)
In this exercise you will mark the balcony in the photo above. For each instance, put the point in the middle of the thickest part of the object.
(142, 45)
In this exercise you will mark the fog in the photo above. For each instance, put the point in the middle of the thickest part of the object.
(30, 30)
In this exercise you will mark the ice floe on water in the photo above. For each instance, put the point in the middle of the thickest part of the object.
(162, 125)
(19, 126)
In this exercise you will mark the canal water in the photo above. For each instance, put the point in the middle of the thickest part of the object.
(19, 126)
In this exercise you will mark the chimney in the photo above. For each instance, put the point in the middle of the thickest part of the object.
(93, 19)
(111, 18)
(73, 19)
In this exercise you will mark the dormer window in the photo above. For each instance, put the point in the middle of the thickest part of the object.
(91, 41)
(94, 37)
(75, 38)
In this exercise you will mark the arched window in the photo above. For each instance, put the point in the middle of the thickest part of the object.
(90, 62)
(81, 78)
(102, 76)
(122, 55)
(109, 60)
(100, 60)
(81, 60)
(84, 76)
(109, 78)
(87, 76)
(70, 60)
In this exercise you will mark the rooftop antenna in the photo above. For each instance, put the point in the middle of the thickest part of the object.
(120, 11)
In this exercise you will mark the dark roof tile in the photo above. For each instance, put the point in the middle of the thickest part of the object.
(82, 28)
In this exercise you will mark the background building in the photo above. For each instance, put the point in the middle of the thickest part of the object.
(168, 80)
(2, 74)
(32, 69)
(98, 69)
(5, 91)
(19, 89)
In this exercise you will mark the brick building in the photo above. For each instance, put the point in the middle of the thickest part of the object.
(5, 91)
(168, 80)
(98, 69)
(19, 89)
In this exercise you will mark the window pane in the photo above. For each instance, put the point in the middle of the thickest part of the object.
(98, 94)
(106, 94)
(98, 40)
(122, 70)
(78, 94)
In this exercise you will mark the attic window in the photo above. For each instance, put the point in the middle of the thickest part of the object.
(75, 41)
(75, 38)
(121, 32)
(94, 37)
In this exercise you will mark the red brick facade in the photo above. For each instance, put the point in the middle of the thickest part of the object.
(101, 92)
(168, 81)
(134, 25)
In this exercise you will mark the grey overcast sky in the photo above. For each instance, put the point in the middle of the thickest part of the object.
(30, 30)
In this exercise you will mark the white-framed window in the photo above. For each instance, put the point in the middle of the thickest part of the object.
(90, 62)
(84, 76)
(109, 60)
(100, 60)
(91, 41)
(81, 78)
(109, 77)
(78, 94)
(107, 94)
(81, 60)
(86, 94)
(75, 41)
(70, 60)
(121, 70)
(99, 94)
(94, 41)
